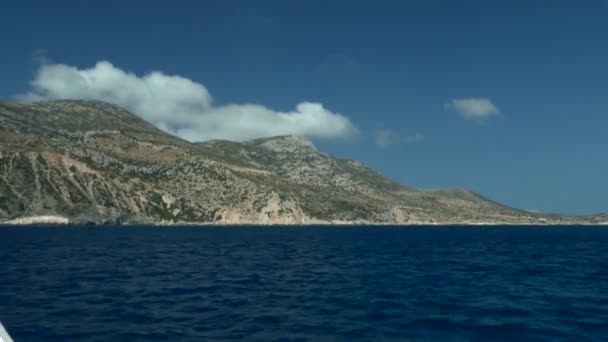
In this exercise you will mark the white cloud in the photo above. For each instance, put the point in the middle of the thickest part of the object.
(184, 107)
(385, 137)
(474, 108)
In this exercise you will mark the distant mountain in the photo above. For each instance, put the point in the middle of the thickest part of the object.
(94, 162)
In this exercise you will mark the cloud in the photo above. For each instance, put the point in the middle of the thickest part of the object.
(183, 107)
(474, 108)
(385, 137)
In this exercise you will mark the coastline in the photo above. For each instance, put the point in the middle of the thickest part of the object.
(52, 220)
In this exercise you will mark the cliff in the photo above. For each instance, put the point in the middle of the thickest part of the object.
(94, 162)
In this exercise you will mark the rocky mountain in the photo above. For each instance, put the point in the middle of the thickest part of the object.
(94, 162)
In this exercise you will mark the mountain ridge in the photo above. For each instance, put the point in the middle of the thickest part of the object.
(90, 161)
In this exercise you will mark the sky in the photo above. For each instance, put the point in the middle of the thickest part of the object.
(506, 98)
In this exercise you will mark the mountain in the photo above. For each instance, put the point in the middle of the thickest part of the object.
(94, 162)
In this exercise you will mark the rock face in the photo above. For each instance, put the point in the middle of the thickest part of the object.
(94, 162)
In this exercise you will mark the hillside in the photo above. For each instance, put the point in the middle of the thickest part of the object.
(95, 162)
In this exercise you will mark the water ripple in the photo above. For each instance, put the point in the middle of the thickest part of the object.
(317, 284)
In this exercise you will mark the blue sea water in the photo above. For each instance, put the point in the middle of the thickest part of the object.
(304, 284)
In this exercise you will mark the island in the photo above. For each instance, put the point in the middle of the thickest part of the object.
(76, 161)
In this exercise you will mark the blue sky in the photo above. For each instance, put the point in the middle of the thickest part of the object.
(390, 68)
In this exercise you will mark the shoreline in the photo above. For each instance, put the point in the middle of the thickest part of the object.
(10, 224)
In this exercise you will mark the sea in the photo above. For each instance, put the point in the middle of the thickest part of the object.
(304, 283)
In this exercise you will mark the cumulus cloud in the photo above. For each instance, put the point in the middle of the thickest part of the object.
(474, 108)
(183, 107)
(385, 137)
